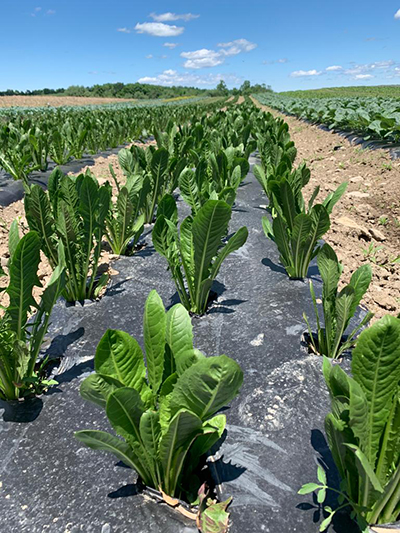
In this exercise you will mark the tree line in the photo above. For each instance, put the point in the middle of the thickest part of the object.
(142, 90)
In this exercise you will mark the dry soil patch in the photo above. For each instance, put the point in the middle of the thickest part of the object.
(56, 101)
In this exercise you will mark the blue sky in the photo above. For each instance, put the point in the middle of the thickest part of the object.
(288, 45)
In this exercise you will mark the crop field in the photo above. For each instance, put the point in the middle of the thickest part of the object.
(370, 117)
(138, 243)
(380, 91)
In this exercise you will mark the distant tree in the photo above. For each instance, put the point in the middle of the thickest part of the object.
(222, 89)
(245, 88)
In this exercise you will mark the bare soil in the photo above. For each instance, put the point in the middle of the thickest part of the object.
(366, 222)
(55, 101)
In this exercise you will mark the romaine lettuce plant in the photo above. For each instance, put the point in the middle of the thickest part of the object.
(196, 251)
(152, 166)
(20, 339)
(125, 220)
(295, 229)
(166, 413)
(338, 307)
(204, 183)
(73, 211)
(363, 428)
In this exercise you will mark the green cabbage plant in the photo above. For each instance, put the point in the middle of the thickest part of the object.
(196, 251)
(338, 306)
(21, 339)
(165, 412)
(363, 429)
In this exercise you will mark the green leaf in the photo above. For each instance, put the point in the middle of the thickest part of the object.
(179, 335)
(100, 440)
(207, 386)
(13, 238)
(119, 355)
(328, 265)
(267, 227)
(375, 366)
(325, 523)
(366, 470)
(174, 445)
(23, 277)
(40, 219)
(167, 208)
(321, 475)
(334, 197)
(188, 189)
(360, 281)
(308, 488)
(150, 431)
(154, 330)
(235, 242)
(321, 495)
(124, 409)
(96, 388)
(209, 226)
(212, 430)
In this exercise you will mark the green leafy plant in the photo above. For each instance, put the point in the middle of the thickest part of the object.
(371, 253)
(15, 151)
(125, 220)
(363, 428)
(20, 339)
(295, 229)
(338, 307)
(166, 413)
(152, 166)
(196, 252)
(205, 183)
(73, 211)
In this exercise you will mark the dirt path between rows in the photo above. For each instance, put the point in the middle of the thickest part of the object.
(366, 222)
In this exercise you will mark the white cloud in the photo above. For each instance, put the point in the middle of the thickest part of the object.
(169, 17)
(149, 56)
(305, 73)
(334, 68)
(171, 45)
(212, 58)
(50, 12)
(38, 9)
(363, 76)
(172, 77)
(158, 29)
(237, 46)
(397, 14)
(357, 70)
(124, 30)
(274, 61)
(202, 58)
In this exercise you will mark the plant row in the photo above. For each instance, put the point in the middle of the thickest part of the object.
(166, 410)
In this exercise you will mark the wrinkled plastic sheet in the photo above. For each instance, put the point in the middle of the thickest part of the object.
(52, 483)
